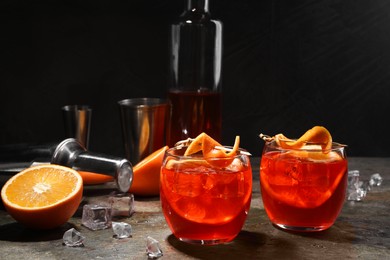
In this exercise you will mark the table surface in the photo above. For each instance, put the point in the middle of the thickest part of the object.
(361, 231)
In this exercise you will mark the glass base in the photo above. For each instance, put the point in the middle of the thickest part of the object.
(205, 242)
(300, 229)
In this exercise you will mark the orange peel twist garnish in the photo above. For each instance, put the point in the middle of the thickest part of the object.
(213, 152)
(209, 147)
(317, 135)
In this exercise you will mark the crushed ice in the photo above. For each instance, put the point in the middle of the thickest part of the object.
(96, 217)
(153, 249)
(357, 189)
(121, 230)
(73, 238)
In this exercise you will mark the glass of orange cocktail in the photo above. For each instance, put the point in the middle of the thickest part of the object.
(303, 188)
(205, 199)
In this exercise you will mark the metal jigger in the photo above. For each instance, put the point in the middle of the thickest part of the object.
(72, 154)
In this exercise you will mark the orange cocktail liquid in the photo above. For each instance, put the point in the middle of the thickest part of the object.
(206, 204)
(193, 113)
(300, 192)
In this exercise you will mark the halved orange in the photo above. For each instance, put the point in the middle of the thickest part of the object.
(44, 196)
(146, 174)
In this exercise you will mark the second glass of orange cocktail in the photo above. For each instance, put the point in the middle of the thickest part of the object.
(206, 195)
(303, 182)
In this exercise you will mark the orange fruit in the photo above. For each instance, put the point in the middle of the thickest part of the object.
(317, 135)
(146, 174)
(91, 178)
(44, 196)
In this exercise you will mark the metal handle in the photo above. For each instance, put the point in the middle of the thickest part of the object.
(72, 154)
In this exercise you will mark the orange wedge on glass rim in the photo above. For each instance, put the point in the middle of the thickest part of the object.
(146, 174)
(44, 196)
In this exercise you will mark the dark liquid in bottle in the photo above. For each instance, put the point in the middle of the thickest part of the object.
(194, 113)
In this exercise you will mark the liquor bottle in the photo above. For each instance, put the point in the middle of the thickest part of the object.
(195, 74)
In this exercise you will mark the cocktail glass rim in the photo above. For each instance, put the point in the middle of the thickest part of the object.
(335, 146)
(199, 155)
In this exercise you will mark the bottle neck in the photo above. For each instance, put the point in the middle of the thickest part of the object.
(201, 6)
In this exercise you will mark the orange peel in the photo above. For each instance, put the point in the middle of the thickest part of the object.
(210, 147)
(318, 135)
(146, 174)
(91, 178)
(214, 153)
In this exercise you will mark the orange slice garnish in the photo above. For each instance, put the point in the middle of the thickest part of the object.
(44, 196)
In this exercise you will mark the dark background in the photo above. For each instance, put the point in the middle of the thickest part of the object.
(287, 66)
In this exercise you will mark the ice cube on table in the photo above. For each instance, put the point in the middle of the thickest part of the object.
(96, 217)
(357, 190)
(121, 229)
(122, 204)
(376, 179)
(73, 238)
(153, 249)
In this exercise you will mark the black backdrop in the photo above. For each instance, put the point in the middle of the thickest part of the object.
(287, 66)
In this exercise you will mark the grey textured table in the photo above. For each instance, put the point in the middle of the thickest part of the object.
(362, 231)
